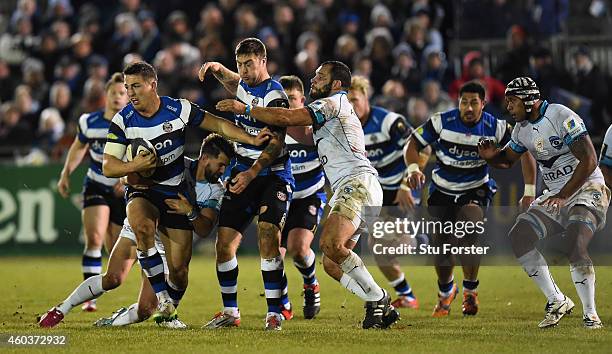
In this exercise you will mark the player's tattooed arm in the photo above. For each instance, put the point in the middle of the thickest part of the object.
(267, 156)
(225, 76)
(272, 150)
(584, 151)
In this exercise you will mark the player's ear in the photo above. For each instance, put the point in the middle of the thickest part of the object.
(336, 85)
(154, 85)
(303, 99)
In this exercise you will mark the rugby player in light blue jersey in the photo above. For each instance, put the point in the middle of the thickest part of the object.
(575, 203)
(103, 203)
(461, 188)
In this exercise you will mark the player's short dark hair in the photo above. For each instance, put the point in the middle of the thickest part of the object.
(144, 69)
(251, 46)
(339, 71)
(214, 144)
(116, 78)
(291, 82)
(473, 87)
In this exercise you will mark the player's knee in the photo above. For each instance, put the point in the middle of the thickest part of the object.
(112, 280)
(523, 237)
(331, 247)
(266, 230)
(144, 229)
(470, 212)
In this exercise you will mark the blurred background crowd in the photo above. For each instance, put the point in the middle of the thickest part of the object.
(55, 55)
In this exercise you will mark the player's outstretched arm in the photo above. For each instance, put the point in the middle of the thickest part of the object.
(584, 151)
(281, 117)
(225, 76)
(75, 156)
(496, 157)
(231, 131)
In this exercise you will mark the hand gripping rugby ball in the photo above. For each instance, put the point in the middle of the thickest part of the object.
(140, 146)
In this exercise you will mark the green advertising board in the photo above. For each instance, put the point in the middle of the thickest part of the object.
(34, 218)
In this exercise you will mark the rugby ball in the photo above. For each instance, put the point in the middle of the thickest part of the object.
(140, 146)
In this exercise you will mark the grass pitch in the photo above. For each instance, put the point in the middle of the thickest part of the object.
(511, 307)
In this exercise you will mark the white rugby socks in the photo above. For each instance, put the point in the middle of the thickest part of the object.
(536, 268)
(353, 267)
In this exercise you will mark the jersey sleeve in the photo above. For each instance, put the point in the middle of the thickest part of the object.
(116, 141)
(82, 129)
(195, 114)
(399, 130)
(503, 132)
(605, 158)
(515, 144)
(322, 110)
(429, 132)
(276, 98)
(572, 126)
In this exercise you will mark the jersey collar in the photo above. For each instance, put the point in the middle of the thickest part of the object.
(543, 108)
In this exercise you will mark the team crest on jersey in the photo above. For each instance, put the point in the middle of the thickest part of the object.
(539, 146)
(556, 142)
(312, 210)
(167, 127)
(255, 101)
(597, 196)
(281, 196)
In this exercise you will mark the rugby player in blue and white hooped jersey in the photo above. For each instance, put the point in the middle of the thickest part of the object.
(306, 208)
(605, 158)
(461, 187)
(162, 121)
(385, 135)
(576, 201)
(205, 188)
(338, 136)
(103, 203)
(260, 184)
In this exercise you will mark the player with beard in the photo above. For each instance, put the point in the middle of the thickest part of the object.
(338, 136)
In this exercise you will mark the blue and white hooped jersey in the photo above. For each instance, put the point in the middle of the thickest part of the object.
(165, 130)
(92, 129)
(385, 135)
(549, 139)
(606, 149)
(306, 168)
(459, 167)
(268, 93)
